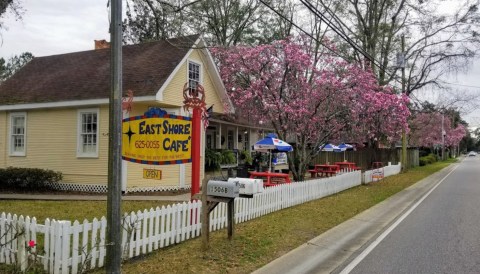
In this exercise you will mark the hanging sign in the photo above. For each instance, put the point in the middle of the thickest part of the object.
(158, 139)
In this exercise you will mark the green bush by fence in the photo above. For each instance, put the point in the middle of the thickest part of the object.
(31, 179)
(426, 160)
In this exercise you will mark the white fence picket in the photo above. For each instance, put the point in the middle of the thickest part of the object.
(190, 221)
(162, 227)
(57, 247)
(75, 246)
(156, 229)
(94, 243)
(138, 233)
(9, 238)
(102, 247)
(65, 243)
(144, 241)
(84, 247)
(168, 225)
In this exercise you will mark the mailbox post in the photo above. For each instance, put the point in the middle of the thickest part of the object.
(215, 192)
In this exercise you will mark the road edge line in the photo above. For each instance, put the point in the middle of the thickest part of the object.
(382, 236)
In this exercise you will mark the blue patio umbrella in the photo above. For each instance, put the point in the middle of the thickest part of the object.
(328, 148)
(343, 147)
(272, 143)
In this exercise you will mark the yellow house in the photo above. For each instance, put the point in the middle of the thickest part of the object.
(54, 111)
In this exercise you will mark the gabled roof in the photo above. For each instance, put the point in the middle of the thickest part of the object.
(86, 75)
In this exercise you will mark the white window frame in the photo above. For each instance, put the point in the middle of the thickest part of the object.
(200, 74)
(80, 153)
(12, 143)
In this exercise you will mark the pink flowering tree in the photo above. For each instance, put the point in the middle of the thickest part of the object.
(305, 102)
(426, 130)
(378, 114)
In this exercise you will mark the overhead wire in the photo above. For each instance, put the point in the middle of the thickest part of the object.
(302, 30)
(461, 85)
(339, 31)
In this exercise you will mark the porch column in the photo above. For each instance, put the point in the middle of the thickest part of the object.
(250, 141)
(235, 139)
(219, 137)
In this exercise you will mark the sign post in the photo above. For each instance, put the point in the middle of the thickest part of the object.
(196, 145)
(194, 99)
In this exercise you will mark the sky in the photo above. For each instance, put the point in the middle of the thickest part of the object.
(52, 27)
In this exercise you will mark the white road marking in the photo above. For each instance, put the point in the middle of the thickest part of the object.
(380, 238)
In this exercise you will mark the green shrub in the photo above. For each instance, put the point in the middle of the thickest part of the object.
(426, 160)
(31, 179)
(214, 158)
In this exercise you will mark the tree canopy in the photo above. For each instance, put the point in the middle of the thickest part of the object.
(8, 68)
(331, 100)
(12, 6)
(426, 128)
(222, 22)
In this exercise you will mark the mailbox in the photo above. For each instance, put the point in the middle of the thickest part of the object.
(228, 189)
(248, 186)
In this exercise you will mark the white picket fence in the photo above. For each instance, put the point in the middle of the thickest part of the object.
(389, 170)
(74, 248)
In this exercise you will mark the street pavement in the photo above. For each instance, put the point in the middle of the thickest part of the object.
(438, 235)
(336, 248)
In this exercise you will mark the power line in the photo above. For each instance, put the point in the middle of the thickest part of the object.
(339, 30)
(461, 85)
(302, 30)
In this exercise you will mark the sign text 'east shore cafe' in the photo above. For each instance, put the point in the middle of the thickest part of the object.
(157, 138)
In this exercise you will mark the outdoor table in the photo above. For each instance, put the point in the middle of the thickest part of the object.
(324, 170)
(272, 177)
(347, 165)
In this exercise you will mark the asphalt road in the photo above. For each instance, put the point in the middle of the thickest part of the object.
(438, 234)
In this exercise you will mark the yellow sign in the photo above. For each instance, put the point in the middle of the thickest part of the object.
(157, 141)
(152, 174)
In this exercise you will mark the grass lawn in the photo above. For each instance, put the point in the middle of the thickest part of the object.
(70, 210)
(256, 242)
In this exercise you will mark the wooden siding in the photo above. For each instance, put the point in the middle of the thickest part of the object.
(173, 94)
(51, 143)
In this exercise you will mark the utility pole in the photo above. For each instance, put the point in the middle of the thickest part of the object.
(401, 64)
(114, 198)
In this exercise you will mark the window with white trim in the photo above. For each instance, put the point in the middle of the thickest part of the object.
(193, 75)
(18, 123)
(87, 133)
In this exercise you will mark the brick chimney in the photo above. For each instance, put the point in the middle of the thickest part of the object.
(101, 44)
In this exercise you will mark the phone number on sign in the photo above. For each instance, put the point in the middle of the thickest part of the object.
(147, 144)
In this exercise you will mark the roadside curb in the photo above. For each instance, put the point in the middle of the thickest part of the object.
(334, 249)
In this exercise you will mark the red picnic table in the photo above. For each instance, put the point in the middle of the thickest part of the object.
(273, 178)
(347, 165)
(376, 165)
(324, 170)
